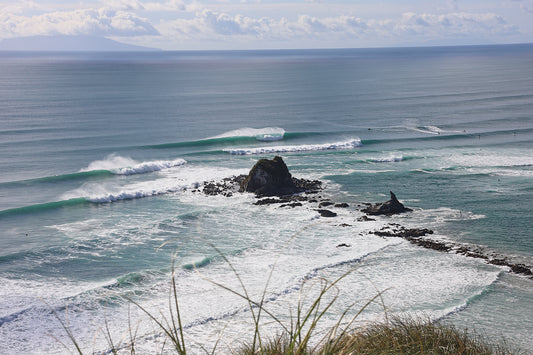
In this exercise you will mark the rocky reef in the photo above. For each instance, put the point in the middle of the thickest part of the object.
(418, 237)
(272, 184)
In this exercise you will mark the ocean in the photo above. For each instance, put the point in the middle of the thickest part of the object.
(103, 157)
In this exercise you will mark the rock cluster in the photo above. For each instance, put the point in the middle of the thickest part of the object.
(267, 178)
(414, 235)
(227, 187)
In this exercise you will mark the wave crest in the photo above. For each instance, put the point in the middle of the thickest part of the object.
(389, 159)
(148, 167)
(119, 165)
(356, 142)
(261, 134)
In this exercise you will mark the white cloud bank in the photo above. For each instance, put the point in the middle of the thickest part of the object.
(210, 25)
(176, 24)
(95, 22)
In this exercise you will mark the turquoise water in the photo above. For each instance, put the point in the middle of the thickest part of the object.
(101, 154)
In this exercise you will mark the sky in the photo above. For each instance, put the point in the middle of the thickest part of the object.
(274, 24)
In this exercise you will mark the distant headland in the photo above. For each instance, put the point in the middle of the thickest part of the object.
(68, 44)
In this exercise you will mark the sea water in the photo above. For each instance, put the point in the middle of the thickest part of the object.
(102, 156)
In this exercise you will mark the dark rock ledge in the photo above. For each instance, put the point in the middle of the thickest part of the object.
(418, 236)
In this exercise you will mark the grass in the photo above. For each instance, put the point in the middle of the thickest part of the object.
(302, 334)
(398, 336)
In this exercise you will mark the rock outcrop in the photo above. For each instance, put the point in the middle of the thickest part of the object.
(391, 207)
(272, 178)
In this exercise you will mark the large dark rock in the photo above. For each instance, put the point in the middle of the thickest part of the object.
(272, 178)
(392, 206)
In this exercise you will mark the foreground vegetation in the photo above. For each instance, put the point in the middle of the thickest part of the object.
(394, 337)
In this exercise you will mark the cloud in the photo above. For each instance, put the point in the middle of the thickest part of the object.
(209, 24)
(175, 22)
(453, 25)
(125, 5)
(527, 6)
(453, 4)
(18, 7)
(136, 5)
(98, 22)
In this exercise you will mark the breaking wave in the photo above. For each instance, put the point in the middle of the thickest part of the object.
(427, 129)
(261, 134)
(126, 166)
(354, 143)
(389, 159)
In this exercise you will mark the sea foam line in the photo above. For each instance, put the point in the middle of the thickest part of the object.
(356, 142)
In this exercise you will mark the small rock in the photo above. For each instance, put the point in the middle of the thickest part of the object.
(342, 205)
(294, 204)
(521, 269)
(327, 213)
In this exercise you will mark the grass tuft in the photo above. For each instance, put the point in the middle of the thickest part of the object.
(397, 336)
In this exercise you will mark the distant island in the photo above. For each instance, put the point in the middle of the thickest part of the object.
(67, 43)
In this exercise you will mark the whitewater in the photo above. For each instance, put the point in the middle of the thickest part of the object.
(104, 159)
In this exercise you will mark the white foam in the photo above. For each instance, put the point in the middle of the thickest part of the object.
(431, 130)
(388, 159)
(127, 166)
(170, 182)
(353, 143)
(427, 129)
(435, 218)
(491, 159)
(297, 250)
(261, 134)
(111, 193)
(147, 167)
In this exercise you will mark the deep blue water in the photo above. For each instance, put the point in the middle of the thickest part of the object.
(100, 154)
